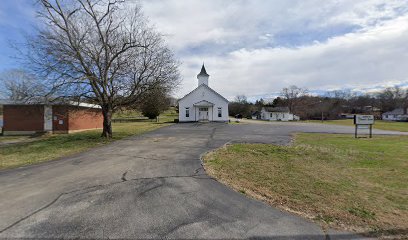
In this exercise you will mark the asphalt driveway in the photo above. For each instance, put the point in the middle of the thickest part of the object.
(150, 186)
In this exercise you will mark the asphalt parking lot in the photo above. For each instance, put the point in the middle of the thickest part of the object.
(151, 186)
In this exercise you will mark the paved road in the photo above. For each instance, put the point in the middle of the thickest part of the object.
(150, 186)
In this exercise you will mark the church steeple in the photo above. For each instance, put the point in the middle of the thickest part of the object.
(203, 76)
(203, 71)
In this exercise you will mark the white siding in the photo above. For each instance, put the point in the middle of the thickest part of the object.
(394, 117)
(202, 93)
(277, 116)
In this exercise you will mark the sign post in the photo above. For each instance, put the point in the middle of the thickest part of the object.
(363, 122)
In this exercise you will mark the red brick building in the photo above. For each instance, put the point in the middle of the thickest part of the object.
(21, 119)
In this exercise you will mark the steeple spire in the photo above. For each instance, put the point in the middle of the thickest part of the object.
(203, 72)
(203, 76)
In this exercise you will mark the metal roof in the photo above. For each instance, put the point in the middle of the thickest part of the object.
(276, 109)
(70, 103)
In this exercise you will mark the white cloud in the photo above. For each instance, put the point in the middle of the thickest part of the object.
(258, 47)
(357, 60)
(193, 22)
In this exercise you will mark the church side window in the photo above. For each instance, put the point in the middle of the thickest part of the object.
(187, 112)
(219, 112)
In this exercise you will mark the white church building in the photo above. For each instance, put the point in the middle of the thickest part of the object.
(203, 103)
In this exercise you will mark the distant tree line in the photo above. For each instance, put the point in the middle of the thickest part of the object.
(331, 105)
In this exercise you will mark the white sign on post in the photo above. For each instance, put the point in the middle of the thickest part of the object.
(363, 119)
(363, 122)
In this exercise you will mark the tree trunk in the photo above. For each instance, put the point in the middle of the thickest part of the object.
(107, 122)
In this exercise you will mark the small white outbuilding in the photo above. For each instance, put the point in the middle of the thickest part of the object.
(277, 114)
(203, 103)
(399, 114)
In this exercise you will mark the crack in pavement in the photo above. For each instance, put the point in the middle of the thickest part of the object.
(195, 176)
(149, 189)
(209, 140)
(151, 158)
(124, 176)
(177, 227)
(198, 170)
(46, 206)
(326, 234)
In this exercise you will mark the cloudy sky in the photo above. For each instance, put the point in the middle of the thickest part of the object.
(257, 47)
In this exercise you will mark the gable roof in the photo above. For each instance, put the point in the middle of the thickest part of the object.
(276, 109)
(203, 103)
(205, 86)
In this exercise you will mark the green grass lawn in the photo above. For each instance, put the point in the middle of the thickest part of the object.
(50, 147)
(168, 115)
(339, 181)
(378, 124)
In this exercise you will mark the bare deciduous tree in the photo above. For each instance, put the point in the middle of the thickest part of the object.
(100, 51)
(241, 99)
(292, 94)
(391, 98)
(20, 86)
(240, 106)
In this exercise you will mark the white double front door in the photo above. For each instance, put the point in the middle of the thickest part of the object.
(203, 114)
